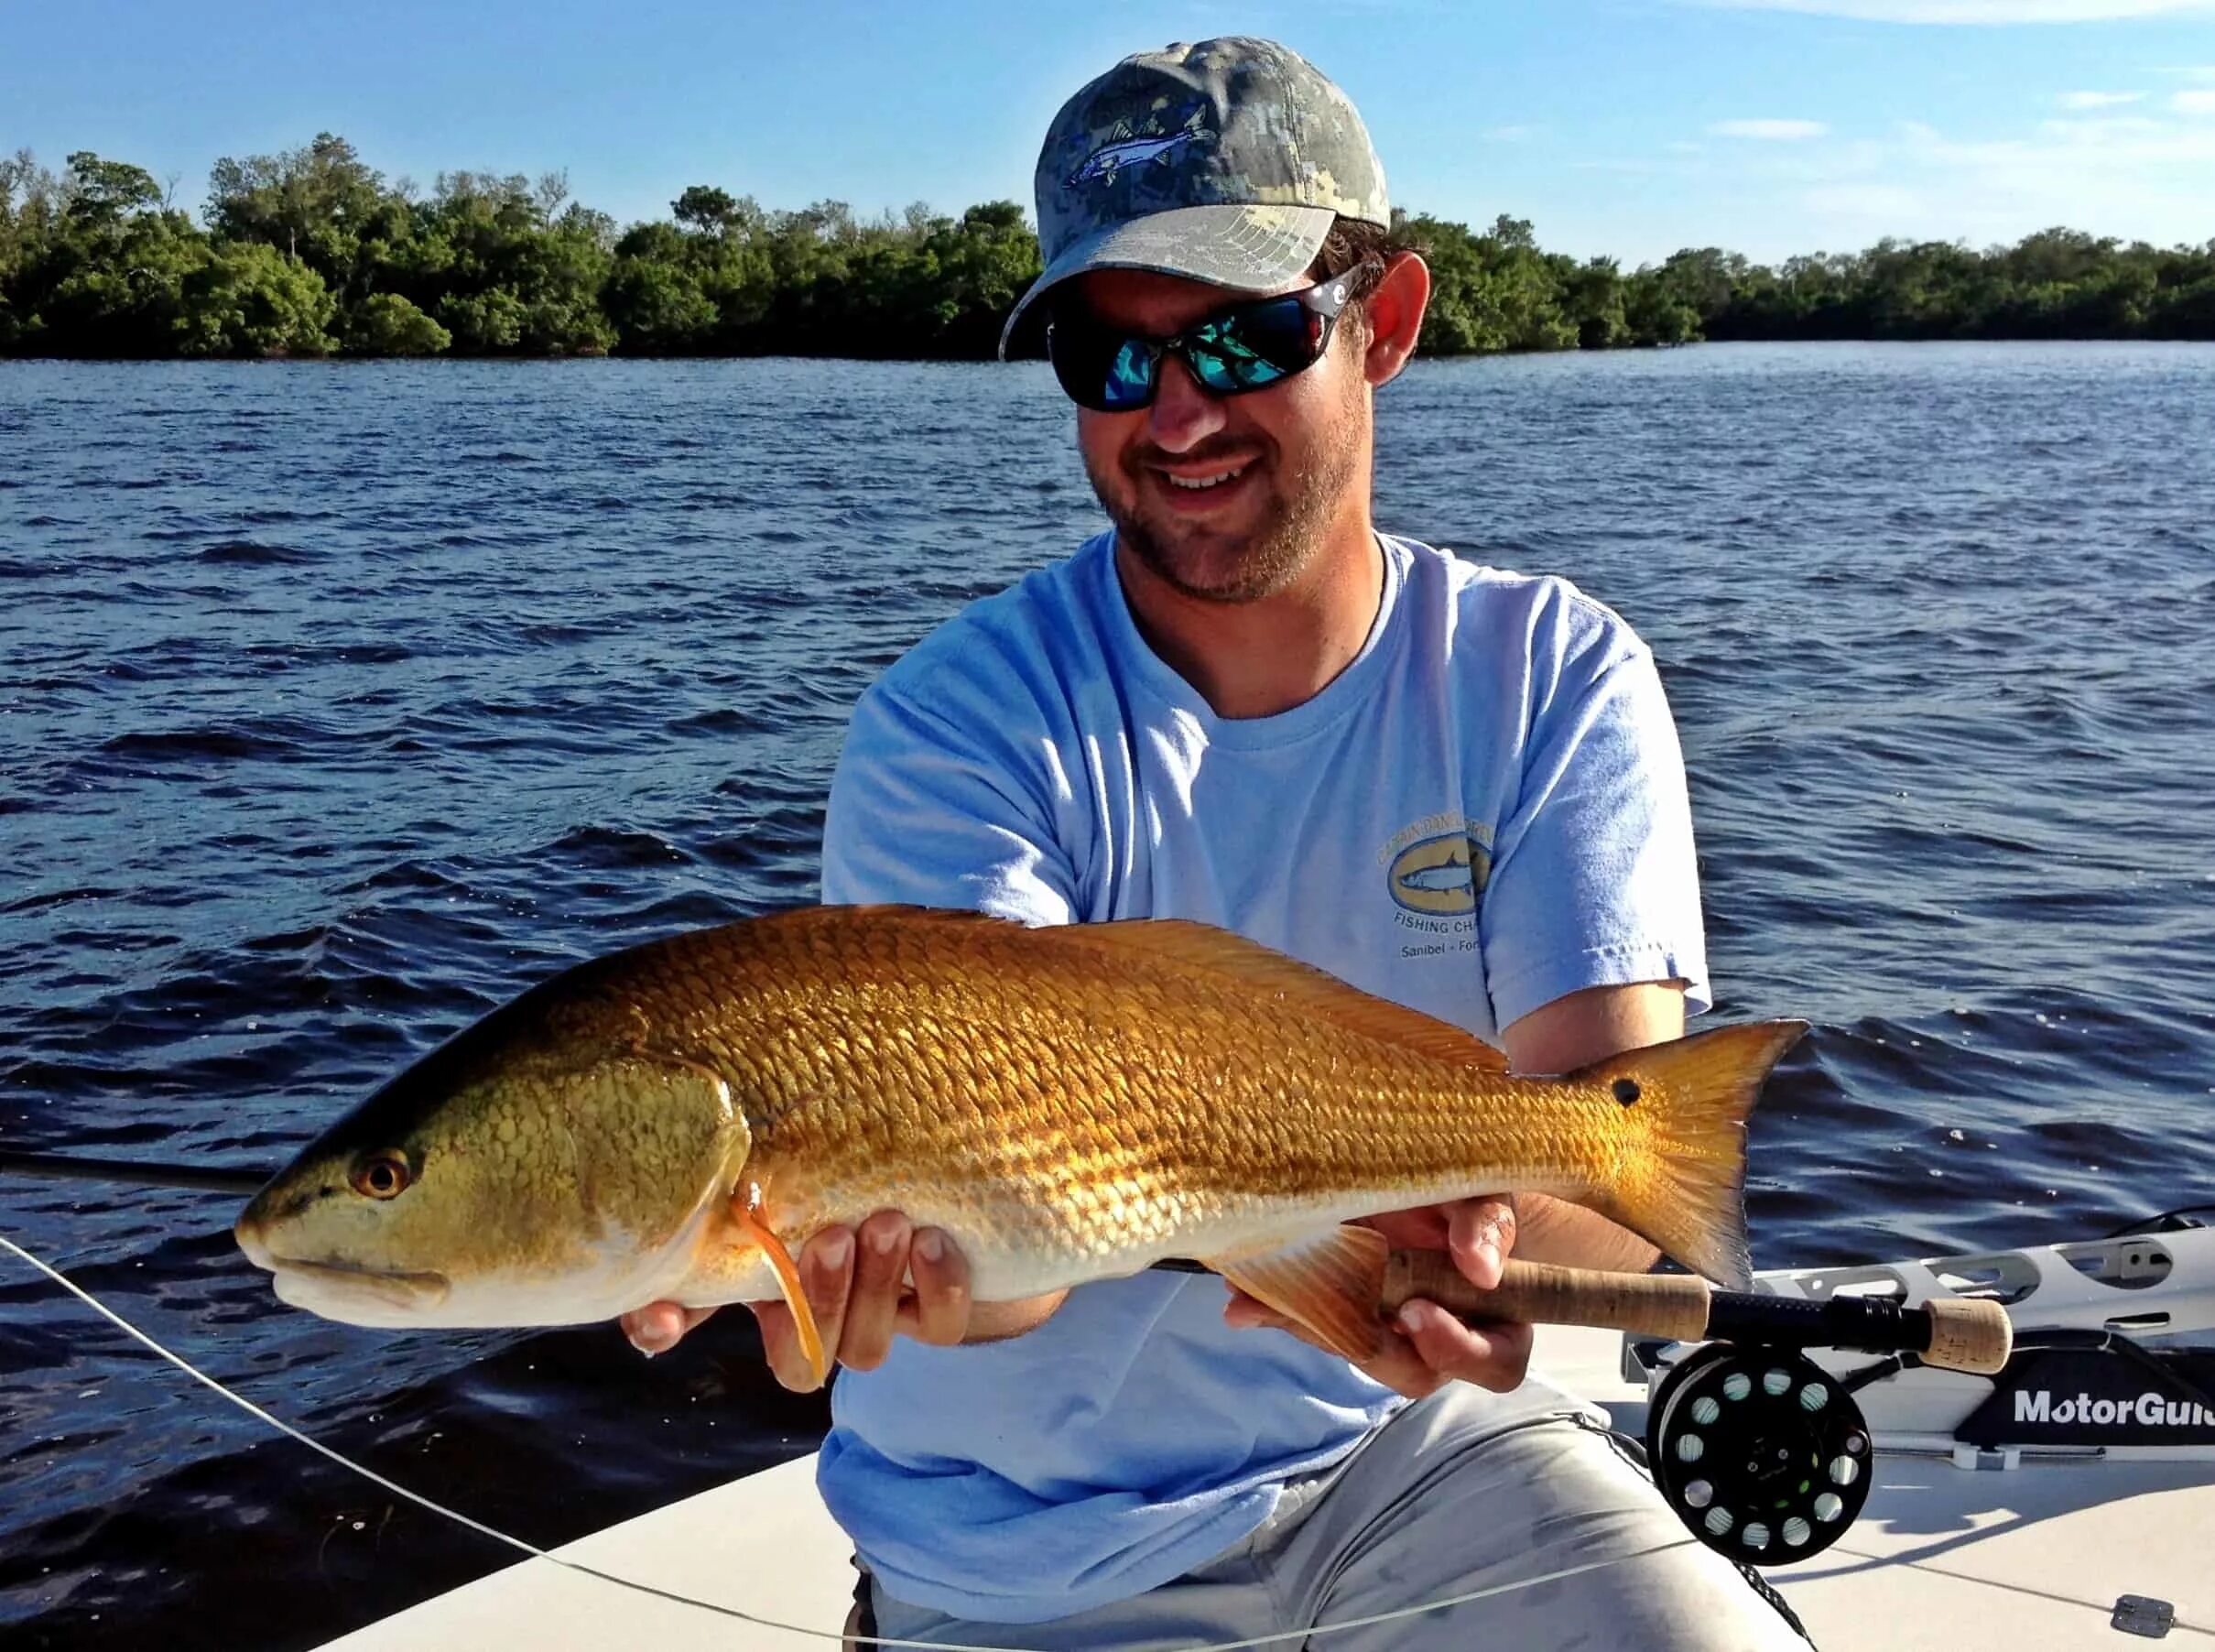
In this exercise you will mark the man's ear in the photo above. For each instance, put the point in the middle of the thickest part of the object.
(1394, 315)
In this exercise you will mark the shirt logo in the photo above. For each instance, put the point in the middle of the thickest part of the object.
(1441, 876)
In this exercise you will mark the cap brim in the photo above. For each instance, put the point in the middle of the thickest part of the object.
(1244, 248)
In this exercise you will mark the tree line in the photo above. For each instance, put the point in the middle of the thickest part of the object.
(312, 253)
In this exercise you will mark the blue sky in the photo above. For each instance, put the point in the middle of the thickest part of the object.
(1629, 127)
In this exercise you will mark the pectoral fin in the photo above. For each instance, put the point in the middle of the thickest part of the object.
(772, 1248)
(1331, 1283)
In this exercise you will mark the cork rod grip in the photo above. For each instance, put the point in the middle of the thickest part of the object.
(1968, 1334)
(1537, 1293)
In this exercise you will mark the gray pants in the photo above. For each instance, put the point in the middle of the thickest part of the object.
(1457, 1493)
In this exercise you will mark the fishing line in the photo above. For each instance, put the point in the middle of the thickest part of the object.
(532, 1549)
(398, 1490)
(2024, 1588)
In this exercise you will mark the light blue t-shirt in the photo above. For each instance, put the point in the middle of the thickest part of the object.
(1484, 811)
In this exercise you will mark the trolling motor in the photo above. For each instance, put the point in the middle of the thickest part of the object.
(1762, 1452)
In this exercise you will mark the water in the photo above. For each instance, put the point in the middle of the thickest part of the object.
(339, 702)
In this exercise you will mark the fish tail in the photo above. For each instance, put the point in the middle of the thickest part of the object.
(1682, 1183)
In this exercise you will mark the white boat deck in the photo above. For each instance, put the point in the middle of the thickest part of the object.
(2031, 1560)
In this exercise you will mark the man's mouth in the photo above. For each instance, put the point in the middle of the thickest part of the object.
(1200, 484)
(1206, 486)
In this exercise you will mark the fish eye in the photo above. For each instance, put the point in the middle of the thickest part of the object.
(384, 1175)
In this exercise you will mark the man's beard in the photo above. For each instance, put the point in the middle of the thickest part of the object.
(1207, 565)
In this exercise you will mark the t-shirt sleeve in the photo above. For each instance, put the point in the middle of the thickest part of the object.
(1594, 881)
(926, 812)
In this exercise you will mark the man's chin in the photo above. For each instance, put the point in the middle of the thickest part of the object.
(1210, 566)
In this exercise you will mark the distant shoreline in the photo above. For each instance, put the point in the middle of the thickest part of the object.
(312, 253)
(607, 358)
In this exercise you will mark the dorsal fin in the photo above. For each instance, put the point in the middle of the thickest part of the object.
(1311, 991)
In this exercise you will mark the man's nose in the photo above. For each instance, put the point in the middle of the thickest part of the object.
(1183, 415)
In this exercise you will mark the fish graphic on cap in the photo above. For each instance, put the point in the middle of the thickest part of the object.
(1131, 150)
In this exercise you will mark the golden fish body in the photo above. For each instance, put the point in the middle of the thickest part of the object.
(1068, 1104)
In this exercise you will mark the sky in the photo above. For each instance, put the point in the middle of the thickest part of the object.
(1623, 127)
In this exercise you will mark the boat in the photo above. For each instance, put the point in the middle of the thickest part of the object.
(2066, 1503)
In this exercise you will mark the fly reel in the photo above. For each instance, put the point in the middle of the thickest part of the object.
(1760, 1452)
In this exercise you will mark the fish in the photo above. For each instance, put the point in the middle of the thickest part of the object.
(1070, 1103)
(1110, 158)
(1441, 879)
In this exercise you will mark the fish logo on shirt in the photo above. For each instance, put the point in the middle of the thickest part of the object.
(1126, 148)
(1441, 876)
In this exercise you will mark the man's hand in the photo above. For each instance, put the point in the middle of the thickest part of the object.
(854, 1281)
(1427, 1347)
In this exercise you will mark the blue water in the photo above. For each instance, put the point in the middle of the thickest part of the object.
(337, 702)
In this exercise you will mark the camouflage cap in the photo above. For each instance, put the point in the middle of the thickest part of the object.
(1226, 161)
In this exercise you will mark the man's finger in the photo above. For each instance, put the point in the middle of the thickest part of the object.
(880, 1267)
(825, 1269)
(1397, 1366)
(781, 1341)
(939, 1314)
(1425, 1347)
(660, 1326)
(1492, 1356)
(1481, 1232)
(1425, 1228)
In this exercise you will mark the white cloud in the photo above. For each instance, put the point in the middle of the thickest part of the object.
(1978, 11)
(2137, 172)
(2102, 129)
(2098, 100)
(2195, 103)
(1770, 131)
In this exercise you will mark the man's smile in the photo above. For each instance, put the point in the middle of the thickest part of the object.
(1206, 486)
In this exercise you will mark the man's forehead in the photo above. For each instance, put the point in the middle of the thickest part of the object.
(1151, 301)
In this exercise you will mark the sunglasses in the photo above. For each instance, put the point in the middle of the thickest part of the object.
(1249, 346)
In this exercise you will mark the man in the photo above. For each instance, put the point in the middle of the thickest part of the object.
(1455, 788)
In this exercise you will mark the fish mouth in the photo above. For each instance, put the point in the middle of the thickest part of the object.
(319, 1286)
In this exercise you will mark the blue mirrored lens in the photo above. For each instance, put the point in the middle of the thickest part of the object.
(1225, 364)
(1130, 376)
(1257, 345)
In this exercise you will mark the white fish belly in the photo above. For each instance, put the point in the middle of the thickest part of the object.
(1003, 1271)
(1018, 1247)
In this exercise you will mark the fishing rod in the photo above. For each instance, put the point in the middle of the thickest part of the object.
(1955, 1334)
(1763, 1454)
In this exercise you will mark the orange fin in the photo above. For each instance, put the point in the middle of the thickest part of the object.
(1683, 1186)
(788, 1281)
(1331, 1283)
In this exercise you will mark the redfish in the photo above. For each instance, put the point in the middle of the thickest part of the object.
(1072, 1103)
